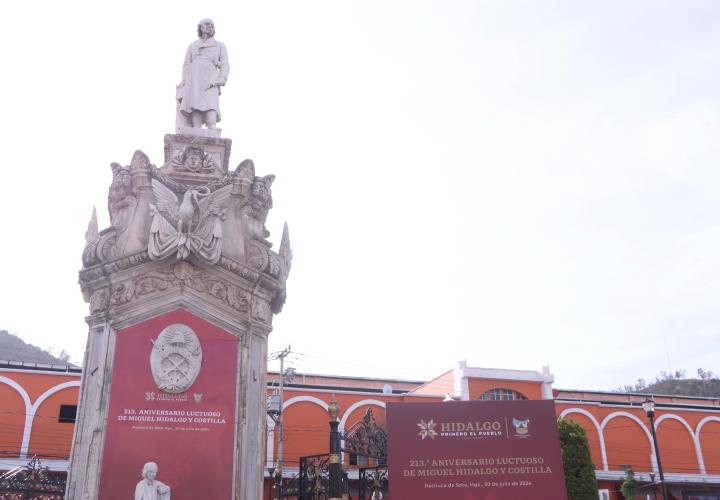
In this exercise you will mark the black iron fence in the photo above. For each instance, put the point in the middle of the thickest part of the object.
(373, 483)
(32, 482)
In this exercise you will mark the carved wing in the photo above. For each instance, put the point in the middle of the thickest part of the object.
(209, 207)
(214, 203)
(166, 201)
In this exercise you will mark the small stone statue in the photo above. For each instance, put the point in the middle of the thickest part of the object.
(205, 70)
(150, 488)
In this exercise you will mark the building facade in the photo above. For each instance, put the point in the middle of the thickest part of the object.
(38, 404)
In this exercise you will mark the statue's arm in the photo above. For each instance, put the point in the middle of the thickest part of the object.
(163, 491)
(224, 65)
(162, 487)
(138, 491)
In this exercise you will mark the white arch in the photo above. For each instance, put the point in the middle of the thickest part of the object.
(28, 413)
(632, 417)
(53, 390)
(705, 421)
(696, 439)
(307, 399)
(31, 414)
(601, 436)
(354, 407)
(270, 445)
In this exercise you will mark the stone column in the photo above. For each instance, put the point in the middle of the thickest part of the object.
(182, 288)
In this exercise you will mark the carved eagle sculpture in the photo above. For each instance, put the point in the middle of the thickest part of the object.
(191, 225)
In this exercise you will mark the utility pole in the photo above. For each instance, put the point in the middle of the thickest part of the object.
(281, 355)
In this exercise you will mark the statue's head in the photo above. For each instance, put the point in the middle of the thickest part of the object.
(150, 471)
(206, 28)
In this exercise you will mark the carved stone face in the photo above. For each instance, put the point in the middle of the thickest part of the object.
(150, 471)
(206, 28)
(262, 190)
(194, 161)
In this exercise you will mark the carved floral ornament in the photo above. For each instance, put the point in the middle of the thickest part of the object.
(181, 274)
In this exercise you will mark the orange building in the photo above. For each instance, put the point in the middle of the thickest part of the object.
(38, 403)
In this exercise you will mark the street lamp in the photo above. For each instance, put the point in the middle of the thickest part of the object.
(649, 407)
(652, 481)
(334, 465)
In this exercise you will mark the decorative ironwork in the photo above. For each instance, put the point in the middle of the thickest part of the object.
(373, 483)
(314, 477)
(367, 438)
(32, 482)
(291, 487)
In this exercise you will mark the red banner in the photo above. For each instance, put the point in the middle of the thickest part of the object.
(188, 426)
(474, 450)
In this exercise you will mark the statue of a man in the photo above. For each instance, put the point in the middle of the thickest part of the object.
(150, 488)
(205, 70)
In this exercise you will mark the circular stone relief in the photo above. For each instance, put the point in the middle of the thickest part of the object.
(175, 359)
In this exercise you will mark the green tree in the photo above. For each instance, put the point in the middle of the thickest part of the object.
(628, 487)
(580, 479)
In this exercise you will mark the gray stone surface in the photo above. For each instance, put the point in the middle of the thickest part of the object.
(125, 281)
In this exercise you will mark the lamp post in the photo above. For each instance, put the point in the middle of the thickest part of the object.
(335, 468)
(652, 481)
(649, 407)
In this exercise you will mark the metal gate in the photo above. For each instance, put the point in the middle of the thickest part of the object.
(367, 440)
(32, 482)
(373, 483)
(314, 477)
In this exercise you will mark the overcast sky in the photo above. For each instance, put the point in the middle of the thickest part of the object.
(514, 183)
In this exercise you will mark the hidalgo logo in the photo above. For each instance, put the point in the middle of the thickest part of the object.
(521, 427)
(460, 430)
(427, 429)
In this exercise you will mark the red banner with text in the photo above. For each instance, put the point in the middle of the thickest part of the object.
(474, 450)
(172, 402)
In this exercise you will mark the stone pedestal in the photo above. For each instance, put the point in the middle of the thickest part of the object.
(182, 288)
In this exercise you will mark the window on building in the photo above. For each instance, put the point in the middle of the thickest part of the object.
(499, 394)
(67, 414)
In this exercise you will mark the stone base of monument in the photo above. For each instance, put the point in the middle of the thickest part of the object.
(201, 132)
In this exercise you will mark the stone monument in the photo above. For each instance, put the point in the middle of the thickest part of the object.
(182, 287)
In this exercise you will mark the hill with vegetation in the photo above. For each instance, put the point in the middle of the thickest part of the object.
(706, 385)
(13, 348)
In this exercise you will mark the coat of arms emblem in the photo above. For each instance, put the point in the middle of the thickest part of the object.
(521, 427)
(175, 359)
